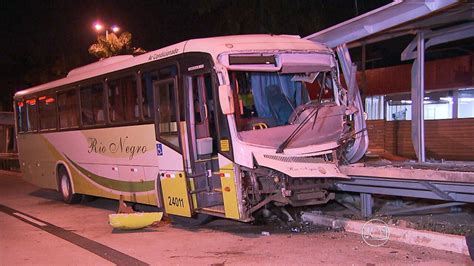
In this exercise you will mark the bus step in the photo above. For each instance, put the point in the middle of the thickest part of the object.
(215, 209)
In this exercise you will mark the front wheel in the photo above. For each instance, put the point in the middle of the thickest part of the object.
(65, 188)
(197, 219)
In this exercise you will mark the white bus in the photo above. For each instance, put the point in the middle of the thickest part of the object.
(217, 126)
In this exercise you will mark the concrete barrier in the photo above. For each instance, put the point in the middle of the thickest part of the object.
(447, 242)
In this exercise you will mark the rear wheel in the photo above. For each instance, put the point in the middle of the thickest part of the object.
(197, 219)
(65, 187)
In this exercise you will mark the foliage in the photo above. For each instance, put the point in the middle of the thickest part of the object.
(112, 44)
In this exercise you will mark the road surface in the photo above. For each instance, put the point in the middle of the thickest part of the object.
(37, 228)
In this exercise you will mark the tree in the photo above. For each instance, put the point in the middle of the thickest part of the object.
(111, 45)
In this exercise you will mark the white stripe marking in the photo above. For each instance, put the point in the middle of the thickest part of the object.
(29, 219)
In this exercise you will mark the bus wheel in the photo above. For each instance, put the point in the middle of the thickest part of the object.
(65, 188)
(197, 219)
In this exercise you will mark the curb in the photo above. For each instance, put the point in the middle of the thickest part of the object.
(446, 242)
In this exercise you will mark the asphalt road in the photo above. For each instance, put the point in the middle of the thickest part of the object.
(36, 228)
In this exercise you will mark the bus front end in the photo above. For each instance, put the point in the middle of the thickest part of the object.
(292, 124)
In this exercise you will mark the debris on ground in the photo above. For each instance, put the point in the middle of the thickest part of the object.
(287, 221)
(131, 221)
(127, 219)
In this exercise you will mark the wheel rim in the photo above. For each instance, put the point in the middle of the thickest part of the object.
(65, 186)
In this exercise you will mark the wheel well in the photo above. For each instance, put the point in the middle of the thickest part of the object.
(59, 169)
(71, 197)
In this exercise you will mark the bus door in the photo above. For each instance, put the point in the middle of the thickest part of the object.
(205, 183)
(171, 150)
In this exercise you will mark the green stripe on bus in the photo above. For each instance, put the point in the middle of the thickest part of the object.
(119, 185)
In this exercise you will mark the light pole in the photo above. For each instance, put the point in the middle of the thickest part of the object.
(99, 27)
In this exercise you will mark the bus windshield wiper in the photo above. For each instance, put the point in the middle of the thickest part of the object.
(314, 113)
(287, 141)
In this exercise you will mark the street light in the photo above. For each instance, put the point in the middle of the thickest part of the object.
(98, 27)
(115, 28)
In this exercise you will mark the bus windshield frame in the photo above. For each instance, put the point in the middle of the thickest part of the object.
(265, 100)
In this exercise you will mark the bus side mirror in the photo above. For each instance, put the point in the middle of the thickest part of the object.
(226, 99)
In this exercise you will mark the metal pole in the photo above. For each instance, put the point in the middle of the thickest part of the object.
(366, 204)
(455, 103)
(421, 88)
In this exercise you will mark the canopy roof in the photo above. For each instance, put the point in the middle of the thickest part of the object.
(396, 19)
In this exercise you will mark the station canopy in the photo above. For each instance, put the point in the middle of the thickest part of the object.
(402, 18)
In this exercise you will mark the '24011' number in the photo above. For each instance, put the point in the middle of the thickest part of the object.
(175, 201)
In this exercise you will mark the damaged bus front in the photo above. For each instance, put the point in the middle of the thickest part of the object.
(292, 124)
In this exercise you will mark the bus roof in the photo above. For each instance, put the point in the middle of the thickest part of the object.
(214, 46)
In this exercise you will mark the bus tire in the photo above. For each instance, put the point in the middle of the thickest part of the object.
(65, 187)
(197, 219)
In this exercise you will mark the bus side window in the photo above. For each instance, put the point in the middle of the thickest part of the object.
(167, 106)
(148, 77)
(123, 99)
(68, 109)
(21, 116)
(92, 104)
(31, 115)
(47, 112)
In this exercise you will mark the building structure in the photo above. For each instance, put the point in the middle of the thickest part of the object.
(427, 92)
(448, 109)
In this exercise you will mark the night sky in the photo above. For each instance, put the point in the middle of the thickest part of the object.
(43, 40)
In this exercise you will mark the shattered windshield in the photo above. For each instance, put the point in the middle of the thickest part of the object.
(269, 99)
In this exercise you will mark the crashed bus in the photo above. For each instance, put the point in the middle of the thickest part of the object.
(207, 127)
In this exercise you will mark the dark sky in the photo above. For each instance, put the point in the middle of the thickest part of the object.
(43, 39)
